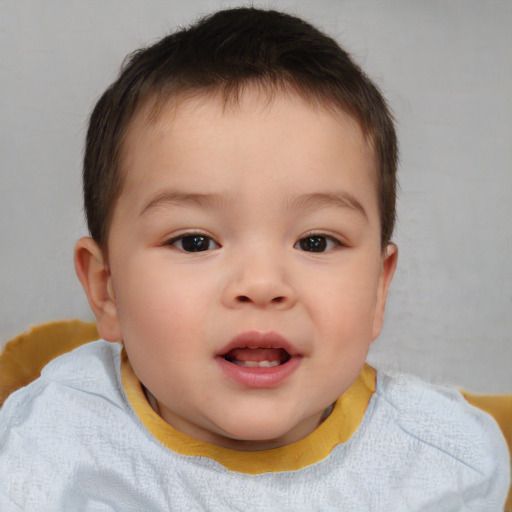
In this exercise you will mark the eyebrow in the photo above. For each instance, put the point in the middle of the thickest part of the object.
(325, 200)
(177, 198)
(303, 201)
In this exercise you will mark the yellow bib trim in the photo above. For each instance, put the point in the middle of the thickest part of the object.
(341, 424)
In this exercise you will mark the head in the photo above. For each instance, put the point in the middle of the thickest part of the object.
(224, 54)
(239, 183)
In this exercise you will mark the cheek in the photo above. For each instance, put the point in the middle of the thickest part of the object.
(161, 315)
(346, 299)
(344, 319)
(159, 304)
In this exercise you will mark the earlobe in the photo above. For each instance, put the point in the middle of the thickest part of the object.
(388, 266)
(94, 274)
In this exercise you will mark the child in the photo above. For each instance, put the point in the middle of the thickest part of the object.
(239, 184)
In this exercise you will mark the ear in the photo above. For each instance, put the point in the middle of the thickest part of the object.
(388, 266)
(93, 272)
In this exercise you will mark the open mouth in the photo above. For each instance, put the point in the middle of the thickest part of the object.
(257, 357)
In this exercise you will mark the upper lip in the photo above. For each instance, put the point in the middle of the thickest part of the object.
(258, 339)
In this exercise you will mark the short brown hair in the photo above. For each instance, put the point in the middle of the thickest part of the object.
(225, 52)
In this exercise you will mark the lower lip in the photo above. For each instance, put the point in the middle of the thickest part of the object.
(259, 377)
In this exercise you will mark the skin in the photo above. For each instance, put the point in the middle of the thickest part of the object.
(255, 180)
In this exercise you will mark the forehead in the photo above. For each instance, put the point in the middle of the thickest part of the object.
(197, 137)
(158, 113)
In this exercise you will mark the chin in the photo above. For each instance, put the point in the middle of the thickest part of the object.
(258, 435)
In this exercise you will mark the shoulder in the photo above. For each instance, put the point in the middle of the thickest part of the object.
(97, 356)
(439, 416)
(443, 430)
(64, 422)
(88, 372)
(93, 367)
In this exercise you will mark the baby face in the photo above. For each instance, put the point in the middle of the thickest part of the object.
(246, 270)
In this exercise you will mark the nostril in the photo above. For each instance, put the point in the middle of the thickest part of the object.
(275, 300)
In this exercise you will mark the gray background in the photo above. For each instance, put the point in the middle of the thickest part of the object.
(446, 68)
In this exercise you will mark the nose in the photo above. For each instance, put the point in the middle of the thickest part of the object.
(261, 281)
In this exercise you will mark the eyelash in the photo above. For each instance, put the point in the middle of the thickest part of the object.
(173, 242)
(322, 239)
(307, 243)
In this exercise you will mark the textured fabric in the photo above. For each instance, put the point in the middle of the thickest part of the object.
(23, 358)
(71, 441)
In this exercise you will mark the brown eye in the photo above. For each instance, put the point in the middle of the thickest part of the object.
(194, 243)
(316, 243)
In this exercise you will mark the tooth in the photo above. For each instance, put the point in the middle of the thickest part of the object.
(268, 364)
(255, 364)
